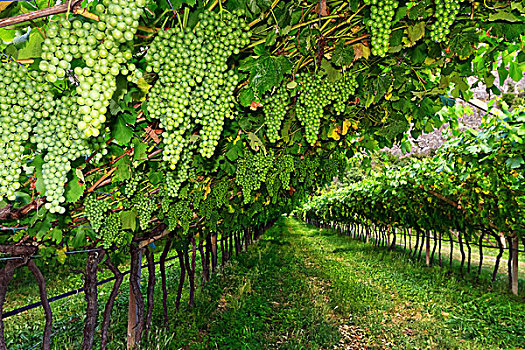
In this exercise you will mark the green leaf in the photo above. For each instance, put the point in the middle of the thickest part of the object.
(38, 161)
(74, 190)
(80, 237)
(139, 151)
(503, 16)
(515, 162)
(332, 74)
(503, 74)
(515, 72)
(267, 72)
(255, 142)
(246, 97)
(122, 173)
(56, 235)
(33, 46)
(121, 132)
(343, 55)
(416, 32)
(128, 219)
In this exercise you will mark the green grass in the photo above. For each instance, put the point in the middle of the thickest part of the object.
(301, 288)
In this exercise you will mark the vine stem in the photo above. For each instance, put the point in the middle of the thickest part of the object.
(62, 8)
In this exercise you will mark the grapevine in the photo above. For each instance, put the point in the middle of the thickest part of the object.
(445, 13)
(95, 211)
(380, 23)
(145, 208)
(275, 108)
(24, 99)
(195, 85)
(111, 232)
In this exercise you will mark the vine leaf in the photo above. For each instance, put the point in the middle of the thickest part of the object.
(121, 132)
(266, 71)
(255, 142)
(74, 190)
(39, 184)
(122, 173)
(33, 46)
(416, 32)
(139, 151)
(128, 218)
(343, 55)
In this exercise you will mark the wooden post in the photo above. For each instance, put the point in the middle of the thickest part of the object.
(515, 263)
(427, 249)
(133, 310)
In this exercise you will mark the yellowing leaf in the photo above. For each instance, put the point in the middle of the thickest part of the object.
(141, 83)
(267, 201)
(4, 4)
(61, 253)
(346, 125)
(334, 132)
(207, 190)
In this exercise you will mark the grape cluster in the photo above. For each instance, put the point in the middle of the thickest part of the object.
(251, 172)
(175, 179)
(95, 211)
(221, 194)
(145, 208)
(285, 166)
(342, 90)
(180, 213)
(100, 45)
(380, 23)
(317, 94)
(310, 105)
(275, 108)
(131, 186)
(24, 99)
(445, 13)
(195, 85)
(111, 232)
(62, 143)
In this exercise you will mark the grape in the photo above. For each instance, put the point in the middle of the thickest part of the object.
(316, 95)
(131, 186)
(24, 99)
(445, 13)
(104, 47)
(180, 213)
(275, 110)
(285, 166)
(221, 193)
(145, 208)
(95, 211)
(62, 143)
(252, 171)
(195, 85)
(111, 232)
(175, 179)
(380, 24)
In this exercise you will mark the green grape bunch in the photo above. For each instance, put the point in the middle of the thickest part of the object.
(132, 185)
(252, 170)
(175, 179)
(111, 232)
(61, 143)
(275, 108)
(195, 85)
(380, 24)
(95, 211)
(104, 47)
(24, 99)
(285, 166)
(445, 13)
(145, 208)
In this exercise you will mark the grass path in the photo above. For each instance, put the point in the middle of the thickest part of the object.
(300, 287)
